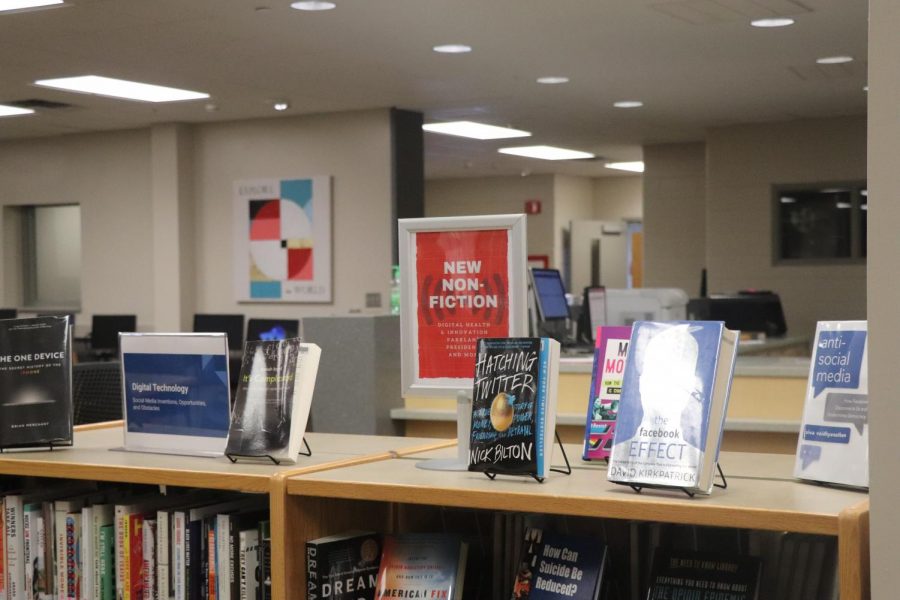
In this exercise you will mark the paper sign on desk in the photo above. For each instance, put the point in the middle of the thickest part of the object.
(176, 393)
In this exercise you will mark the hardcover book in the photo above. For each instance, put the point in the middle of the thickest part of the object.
(610, 353)
(514, 406)
(556, 566)
(685, 574)
(35, 382)
(834, 436)
(343, 567)
(422, 566)
(273, 399)
(674, 399)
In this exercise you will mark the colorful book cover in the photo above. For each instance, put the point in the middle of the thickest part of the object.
(27, 551)
(343, 567)
(672, 409)
(107, 555)
(273, 398)
(610, 353)
(421, 566)
(148, 560)
(685, 574)
(101, 516)
(73, 556)
(514, 405)
(555, 566)
(3, 578)
(834, 438)
(134, 581)
(35, 382)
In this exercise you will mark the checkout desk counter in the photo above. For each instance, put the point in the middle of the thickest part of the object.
(763, 414)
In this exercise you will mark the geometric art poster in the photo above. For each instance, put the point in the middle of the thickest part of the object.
(282, 240)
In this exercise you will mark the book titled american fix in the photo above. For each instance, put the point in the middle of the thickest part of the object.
(422, 566)
(672, 410)
(610, 353)
(273, 399)
(687, 574)
(556, 566)
(343, 567)
(35, 382)
(514, 405)
(834, 437)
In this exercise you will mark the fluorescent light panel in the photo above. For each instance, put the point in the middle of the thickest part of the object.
(546, 152)
(635, 166)
(773, 22)
(7, 5)
(628, 104)
(14, 111)
(452, 49)
(553, 80)
(313, 5)
(120, 88)
(478, 131)
(834, 60)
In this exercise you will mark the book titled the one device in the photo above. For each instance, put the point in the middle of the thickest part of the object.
(834, 436)
(35, 382)
(273, 399)
(610, 353)
(514, 406)
(674, 399)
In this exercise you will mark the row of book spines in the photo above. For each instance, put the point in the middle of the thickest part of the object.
(128, 555)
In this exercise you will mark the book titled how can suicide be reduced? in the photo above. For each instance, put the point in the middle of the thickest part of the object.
(674, 399)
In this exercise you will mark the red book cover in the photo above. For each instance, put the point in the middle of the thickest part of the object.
(136, 558)
(211, 545)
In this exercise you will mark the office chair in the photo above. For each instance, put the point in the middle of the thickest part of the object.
(97, 392)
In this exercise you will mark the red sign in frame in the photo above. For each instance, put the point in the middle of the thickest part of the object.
(462, 278)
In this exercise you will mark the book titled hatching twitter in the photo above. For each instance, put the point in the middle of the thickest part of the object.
(834, 437)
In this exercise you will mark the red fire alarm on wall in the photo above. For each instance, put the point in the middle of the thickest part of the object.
(532, 207)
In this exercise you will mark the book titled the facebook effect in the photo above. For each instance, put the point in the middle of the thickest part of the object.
(674, 398)
(35, 382)
(514, 406)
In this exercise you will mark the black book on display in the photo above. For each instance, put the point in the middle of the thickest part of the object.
(35, 382)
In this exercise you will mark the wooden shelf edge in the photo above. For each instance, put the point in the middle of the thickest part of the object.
(102, 425)
(853, 552)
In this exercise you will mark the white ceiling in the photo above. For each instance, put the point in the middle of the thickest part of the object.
(695, 64)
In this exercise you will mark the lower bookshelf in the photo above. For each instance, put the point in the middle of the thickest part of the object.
(390, 495)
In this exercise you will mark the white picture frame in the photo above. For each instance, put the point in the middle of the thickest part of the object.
(416, 382)
(283, 240)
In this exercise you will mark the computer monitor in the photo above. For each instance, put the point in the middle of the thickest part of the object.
(625, 306)
(593, 313)
(105, 330)
(755, 312)
(8, 313)
(550, 294)
(272, 329)
(230, 325)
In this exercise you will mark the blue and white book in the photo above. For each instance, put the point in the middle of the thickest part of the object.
(674, 399)
(514, 406)
(834, 436)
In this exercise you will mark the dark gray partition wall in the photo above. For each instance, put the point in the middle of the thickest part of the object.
(359, 374)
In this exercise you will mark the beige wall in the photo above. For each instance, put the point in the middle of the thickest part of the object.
(743, 163)
(108, 175)
(573, 199)
(884, 293)
(674, 215)
(497, 195)
(618, 198)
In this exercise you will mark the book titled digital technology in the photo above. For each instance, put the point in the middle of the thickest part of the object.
(420, 565)
(273, 399)
(556, 566)
(343, 566)
(514, 406)
(35, 382)
(834, 436)
(610, 353)
(176, 392)
(688, 574)
(674, 399)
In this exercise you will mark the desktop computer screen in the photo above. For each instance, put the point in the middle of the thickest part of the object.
(105, 330)
(230, 325)
(550, 294)
(272, 329)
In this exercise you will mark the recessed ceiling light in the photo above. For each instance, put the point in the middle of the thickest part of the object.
(864, 207)
(552, 80)
(864, 192)
(865, 88)
(788, 200)
(452, 49)
(635, 166)
(281, 106)
(834, 60)
(842, 205)
(546, 152)
(7, 5)
(774, 22)
(13, 111)
(313, 5)
(120, 88)
(628, 104)
(478, 131)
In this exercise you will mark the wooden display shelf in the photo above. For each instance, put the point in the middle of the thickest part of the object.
(761, 494)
